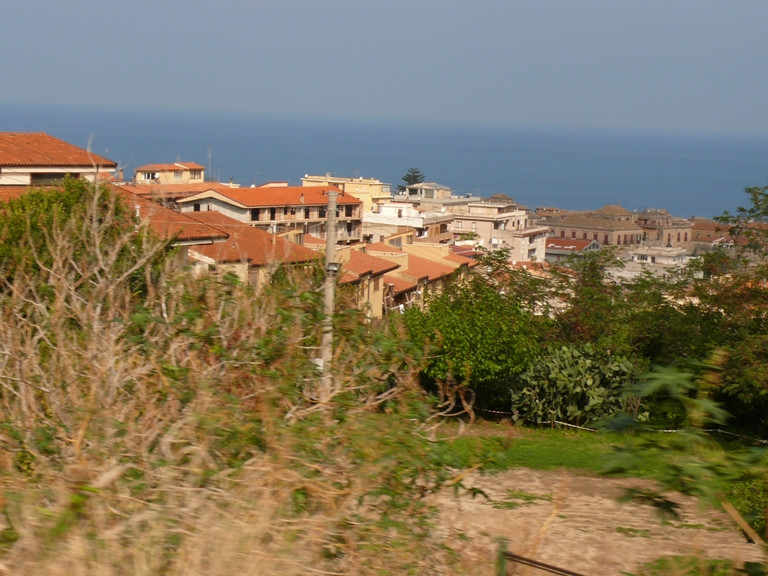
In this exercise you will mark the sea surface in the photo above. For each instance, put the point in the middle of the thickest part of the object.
(579, 169)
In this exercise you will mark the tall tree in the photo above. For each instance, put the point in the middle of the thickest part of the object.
(413, 176)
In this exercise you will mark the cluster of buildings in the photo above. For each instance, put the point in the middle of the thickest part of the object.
(392, 248)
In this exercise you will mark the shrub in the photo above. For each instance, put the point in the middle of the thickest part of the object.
(573, 384)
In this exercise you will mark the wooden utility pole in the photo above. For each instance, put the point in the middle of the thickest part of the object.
(329, 288)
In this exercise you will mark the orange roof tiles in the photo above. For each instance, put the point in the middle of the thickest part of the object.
(8, 193)
(171, 191)
(246, 243)
(285, 196)
(169, 224)
(421, 267)
(400, 284)
(41, 149)
(461, 260)
(360, 264)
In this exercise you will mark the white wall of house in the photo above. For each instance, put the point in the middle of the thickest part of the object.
(236, 212)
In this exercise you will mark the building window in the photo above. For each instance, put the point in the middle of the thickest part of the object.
(195, 174)
(272, 213)
(458, 224)
(306, 213)
(177, 175)
(348, 211)
(322, 212)
(585, 236)
(605, 239)
(196, 207)
(573, 234)
(255, 214)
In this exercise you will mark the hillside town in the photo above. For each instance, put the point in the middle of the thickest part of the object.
(391, 247)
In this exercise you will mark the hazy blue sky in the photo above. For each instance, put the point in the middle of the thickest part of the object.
(656, 64)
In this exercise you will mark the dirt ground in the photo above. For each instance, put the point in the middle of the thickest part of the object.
(578, 523)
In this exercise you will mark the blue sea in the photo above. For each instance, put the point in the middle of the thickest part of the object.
(578, 169)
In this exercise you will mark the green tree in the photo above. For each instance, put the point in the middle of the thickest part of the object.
(413, 176)
(591, 300)
(477, 338)
(749, 225)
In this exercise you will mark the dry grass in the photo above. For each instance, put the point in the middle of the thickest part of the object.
(151, 423)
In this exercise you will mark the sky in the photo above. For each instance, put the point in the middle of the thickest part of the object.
(684, 65)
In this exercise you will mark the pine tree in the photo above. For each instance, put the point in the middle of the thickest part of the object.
(413, 176)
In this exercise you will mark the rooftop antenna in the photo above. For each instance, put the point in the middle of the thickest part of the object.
(210, 151)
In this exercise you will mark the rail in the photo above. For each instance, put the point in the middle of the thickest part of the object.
(504, 555)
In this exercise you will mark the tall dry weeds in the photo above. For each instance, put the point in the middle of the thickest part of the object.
(154, 423)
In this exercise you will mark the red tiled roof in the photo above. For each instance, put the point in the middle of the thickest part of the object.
(382, 247)
(174, 191)
(400, 284)
(310, 240)
(420, 267)
(461, 260)
(360, 263)
(170, 167)
(167, 223)
(41, 149)
(250, 244)
(8, 193)
(283, 196)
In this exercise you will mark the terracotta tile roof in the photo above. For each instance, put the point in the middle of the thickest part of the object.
(8, 193)
(613, 210)
(281, 196)
(249, 244)
(173, 191)
(421, 267)
(591, 221)
(381, 247)
(313, 241)
(461, 260)
(400, 284)
(41, 149)
(170, 167)
(360, 264)
(167, 223)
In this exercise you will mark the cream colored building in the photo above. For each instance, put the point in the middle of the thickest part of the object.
(497, 225)
(397, 217)
(370, 191)
(176, 173)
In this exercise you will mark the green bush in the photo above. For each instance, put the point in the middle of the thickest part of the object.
(574, 385)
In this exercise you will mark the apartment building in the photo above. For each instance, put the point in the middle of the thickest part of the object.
(496, 225)
(283, 210)
(611, 225)
(395, 217)
(660, 227)
(370, 191)
(176, 173)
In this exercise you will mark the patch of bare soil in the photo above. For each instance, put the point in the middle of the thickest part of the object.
(577, 523)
